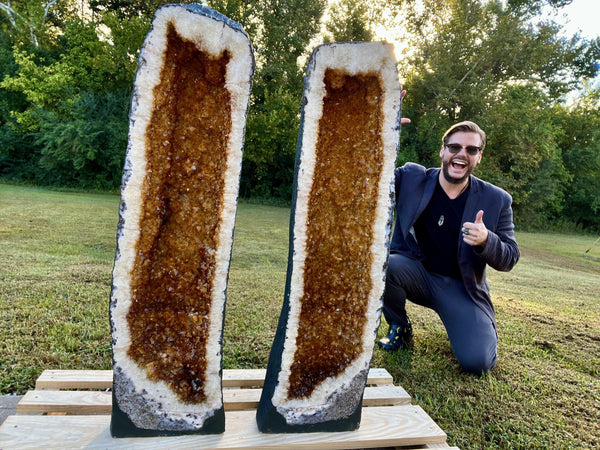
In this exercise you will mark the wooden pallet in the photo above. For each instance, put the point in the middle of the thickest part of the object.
(71, 409)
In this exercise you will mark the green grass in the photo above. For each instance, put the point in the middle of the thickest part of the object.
(56, 259)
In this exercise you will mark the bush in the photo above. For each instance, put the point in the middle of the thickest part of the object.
(87, 149)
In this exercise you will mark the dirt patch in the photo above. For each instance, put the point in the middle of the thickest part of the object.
(552, 259)
(570, 341)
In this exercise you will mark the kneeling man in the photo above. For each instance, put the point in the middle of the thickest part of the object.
(449, 226)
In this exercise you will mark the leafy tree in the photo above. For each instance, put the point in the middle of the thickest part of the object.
(489, 62)
(286, 28)
(129, 9)
(271, 134)
(280, 31)
(242, 11)
(522, 153)
(82, 64)
(27, 19)
(85, 149)
(127, 36)
(348, 22)
(580, 141)
(65, 84)
(55, 86)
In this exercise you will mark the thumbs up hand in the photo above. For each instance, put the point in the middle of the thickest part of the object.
(475, 233)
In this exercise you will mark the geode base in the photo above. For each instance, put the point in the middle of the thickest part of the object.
(121, 425)
(344, 408)
(269, 420)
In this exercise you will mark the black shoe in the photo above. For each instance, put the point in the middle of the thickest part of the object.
(398, 337)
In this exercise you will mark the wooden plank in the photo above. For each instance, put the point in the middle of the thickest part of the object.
(243, 377)
(102, 379)
(379, 377)
(98, 402)
(389, 426)
(69, 402)
(75, 379)
(387, 395)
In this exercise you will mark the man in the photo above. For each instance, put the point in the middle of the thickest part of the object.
(449, 226)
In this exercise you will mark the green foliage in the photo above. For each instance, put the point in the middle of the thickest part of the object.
(127, 36)
(490, 62)
(280, 31)
(70, 127)
(83, 63)
(348, 22)
(8, 66)
(62, 76)
(522, 154)
(17, 152)
(28, 20)
(581, 141)
(270, 149)
(85, 149)
(42, 86)
(129, 9)
(12, 165)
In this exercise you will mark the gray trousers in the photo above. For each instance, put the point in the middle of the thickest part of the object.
(470, 330)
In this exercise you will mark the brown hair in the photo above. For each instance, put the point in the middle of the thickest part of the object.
(468, 127)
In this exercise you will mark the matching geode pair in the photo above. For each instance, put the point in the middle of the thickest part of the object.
(177, 214)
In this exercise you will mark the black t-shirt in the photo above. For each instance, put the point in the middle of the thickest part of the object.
(438, 232)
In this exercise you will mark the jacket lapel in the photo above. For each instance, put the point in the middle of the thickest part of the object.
(472, 206)
(430, 183)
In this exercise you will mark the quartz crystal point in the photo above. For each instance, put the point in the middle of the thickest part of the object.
(339, 240)
(175, 232)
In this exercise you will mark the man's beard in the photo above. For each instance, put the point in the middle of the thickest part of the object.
(450, 179)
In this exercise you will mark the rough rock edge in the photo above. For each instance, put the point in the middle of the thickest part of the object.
(276, 413)
(169, 416)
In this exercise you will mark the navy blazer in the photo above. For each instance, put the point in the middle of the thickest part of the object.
(414, 189)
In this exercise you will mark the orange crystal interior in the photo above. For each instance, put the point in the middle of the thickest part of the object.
(341, 212)
(172, 279)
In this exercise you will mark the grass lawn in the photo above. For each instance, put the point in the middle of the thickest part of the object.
(56, 259)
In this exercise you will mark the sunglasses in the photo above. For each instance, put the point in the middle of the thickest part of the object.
(471, 149)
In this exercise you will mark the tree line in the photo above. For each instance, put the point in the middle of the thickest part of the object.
(67, 70)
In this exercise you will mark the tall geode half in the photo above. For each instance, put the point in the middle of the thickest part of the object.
(177, 214)
(339, 240)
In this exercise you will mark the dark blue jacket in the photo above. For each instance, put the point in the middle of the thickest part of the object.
(414, 189)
